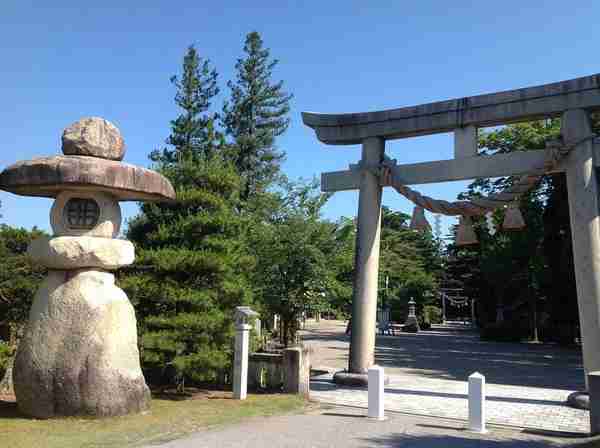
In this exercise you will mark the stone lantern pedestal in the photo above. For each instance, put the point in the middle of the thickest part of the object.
(79, 353)
(411, 325)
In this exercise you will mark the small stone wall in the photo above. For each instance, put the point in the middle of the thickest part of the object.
(265, 371)
(288, 370)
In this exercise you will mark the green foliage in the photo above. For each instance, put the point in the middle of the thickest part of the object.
(432, 314)
(191, 266)
(527, 273)
(411, 262)
(19, 277)
(294, 249)
(193, 132)
(255, 115)
(6, 353)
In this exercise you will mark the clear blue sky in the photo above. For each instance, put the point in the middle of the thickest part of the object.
(63, 60)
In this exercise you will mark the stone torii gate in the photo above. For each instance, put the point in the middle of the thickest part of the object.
(571, 100)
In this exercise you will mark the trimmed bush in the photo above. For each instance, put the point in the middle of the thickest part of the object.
(6, 352)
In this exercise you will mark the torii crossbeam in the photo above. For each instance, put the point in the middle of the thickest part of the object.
(572, 100)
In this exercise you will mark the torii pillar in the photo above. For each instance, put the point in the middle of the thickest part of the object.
(364, 300)
(584, 212)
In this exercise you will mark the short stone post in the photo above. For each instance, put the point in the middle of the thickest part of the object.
(477, 402)
(594, 390)
(376, 393)
(240, 369)
(296, 371)
(240, 359)
(258, 327)
(444, 309)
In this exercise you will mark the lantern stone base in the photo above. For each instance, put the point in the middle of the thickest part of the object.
(350, 379)
(79, 353)
(411, 325)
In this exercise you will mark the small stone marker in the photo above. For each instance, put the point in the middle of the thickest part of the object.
(477, 402)
(376, 393)
(240, 360)
(296, 368)
(594, 388)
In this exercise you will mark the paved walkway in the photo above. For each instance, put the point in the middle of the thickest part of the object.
(526, 384)
(348, 428)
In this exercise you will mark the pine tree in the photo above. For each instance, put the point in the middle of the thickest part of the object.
(194, 134)
(255, 115)
(189, 273)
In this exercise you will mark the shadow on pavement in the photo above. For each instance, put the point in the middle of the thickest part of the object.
(450, 441)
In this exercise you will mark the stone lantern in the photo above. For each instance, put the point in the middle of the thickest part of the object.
(411, 325)
(79, 354)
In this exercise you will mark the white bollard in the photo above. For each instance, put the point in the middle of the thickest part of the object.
(477, 402)
(376, 390)
(240, 361)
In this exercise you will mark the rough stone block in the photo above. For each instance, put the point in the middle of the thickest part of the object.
(79, 353)
(296, 371)
(94, 137)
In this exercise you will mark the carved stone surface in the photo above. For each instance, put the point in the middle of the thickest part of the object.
(95, 137)
(75, 252)
(48, 176)
(79, 353)
(109, 215)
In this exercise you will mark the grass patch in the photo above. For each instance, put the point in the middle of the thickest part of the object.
(166, 420)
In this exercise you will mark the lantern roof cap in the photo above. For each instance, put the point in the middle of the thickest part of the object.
(49, 176)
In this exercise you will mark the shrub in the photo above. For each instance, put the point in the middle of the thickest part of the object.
(6, 352)
(432, 314)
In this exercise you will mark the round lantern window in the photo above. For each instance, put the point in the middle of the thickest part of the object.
(85, 213)
(81, 213)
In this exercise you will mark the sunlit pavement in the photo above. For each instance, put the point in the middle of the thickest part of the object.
(527, 384)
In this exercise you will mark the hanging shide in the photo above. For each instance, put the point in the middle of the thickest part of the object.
(418, 221)
(465, 235)
(513, 219)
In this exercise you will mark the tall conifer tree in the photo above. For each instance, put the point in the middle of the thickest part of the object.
(255, 115)
(189, 274)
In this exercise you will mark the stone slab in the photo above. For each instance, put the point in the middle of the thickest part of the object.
(48, 176)
(76, 252)
(526, 104)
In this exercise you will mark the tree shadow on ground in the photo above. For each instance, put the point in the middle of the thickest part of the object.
(451, 441)
(456, 356)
